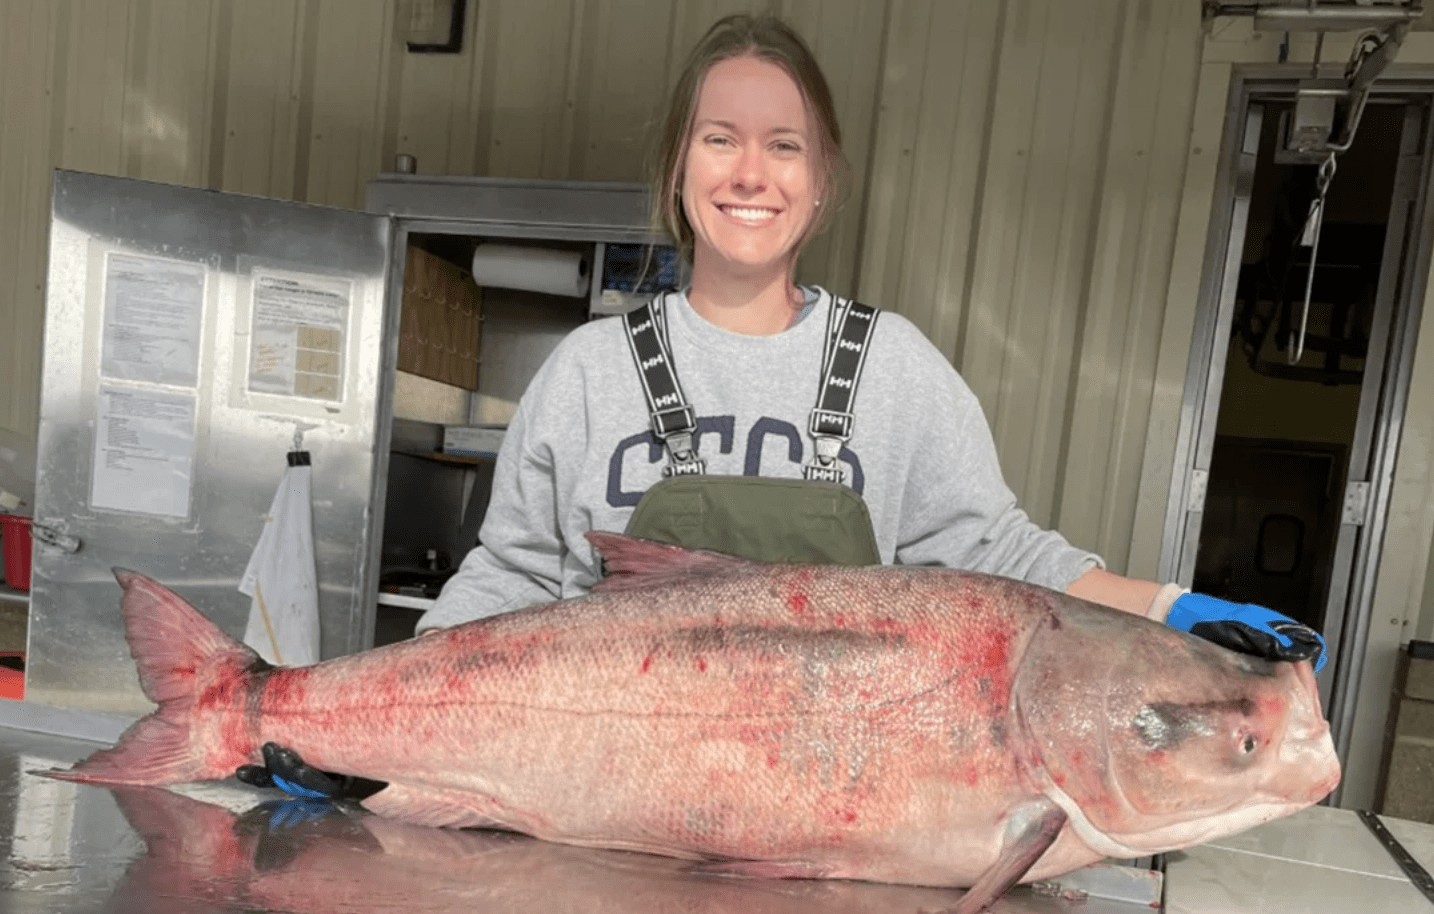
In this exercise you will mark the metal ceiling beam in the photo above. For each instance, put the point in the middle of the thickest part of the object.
(1317, 17)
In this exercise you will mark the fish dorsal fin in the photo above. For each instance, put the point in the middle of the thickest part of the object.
(633, 564)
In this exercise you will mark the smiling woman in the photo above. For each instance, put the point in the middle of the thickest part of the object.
(751, 152)
(749, 192)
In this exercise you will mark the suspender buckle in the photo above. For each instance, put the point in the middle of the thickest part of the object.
(693, 467)
(827, 450)
(667, 423)
(823, 466)
(824, 474)
(682, 459)
(827, 423)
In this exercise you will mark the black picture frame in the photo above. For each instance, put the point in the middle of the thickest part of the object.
(454, 44)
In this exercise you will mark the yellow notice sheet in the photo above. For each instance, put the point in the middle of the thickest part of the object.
(298, 336)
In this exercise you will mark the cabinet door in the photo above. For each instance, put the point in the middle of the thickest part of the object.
(192, 339)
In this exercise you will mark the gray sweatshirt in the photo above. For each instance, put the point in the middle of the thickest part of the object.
(579, 454)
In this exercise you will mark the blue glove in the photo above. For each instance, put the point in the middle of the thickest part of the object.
(285, 815)
(284, 769)
(1247, 628)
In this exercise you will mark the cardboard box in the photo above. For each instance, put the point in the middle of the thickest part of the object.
(439, 330)
(473, 440)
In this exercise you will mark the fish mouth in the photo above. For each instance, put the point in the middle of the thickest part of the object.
(1306, 751)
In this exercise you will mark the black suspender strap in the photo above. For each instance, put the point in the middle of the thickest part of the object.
(674, 422)
(849, 326)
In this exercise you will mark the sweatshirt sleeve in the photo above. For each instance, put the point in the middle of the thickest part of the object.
(519, 560)
(957, 509)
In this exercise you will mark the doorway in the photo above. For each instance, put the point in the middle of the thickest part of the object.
(1286, 450)
(1284, 431)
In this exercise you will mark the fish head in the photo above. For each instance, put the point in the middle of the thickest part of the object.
(1166, 741)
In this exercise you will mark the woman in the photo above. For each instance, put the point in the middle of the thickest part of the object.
(750, 168)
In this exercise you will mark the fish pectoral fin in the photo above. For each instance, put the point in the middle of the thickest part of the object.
(762, 869)
(1030, 830)
(440, 807)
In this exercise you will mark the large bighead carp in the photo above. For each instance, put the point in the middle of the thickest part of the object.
(896, 724)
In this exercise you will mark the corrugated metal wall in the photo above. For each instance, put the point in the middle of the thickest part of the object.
(1027, 173)
(1018, 164)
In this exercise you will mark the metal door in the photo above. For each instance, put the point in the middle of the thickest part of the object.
(192, 338)
(1206, 373)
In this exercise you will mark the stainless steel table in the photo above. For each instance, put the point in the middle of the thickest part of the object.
(214, 849)
(1319, 861)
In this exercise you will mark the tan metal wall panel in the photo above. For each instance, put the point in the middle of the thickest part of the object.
(166, 134)
(528, 99)
(259, 82)
(847, 37)
(25, 139)
(95, 83)
(350, 66)
(1021, 209)
(1133, 237)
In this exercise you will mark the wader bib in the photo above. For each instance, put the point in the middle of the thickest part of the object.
(813, 520)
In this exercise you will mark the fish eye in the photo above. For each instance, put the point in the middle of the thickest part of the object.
(1249, 744)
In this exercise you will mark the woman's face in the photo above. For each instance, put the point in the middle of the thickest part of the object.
(749, 180)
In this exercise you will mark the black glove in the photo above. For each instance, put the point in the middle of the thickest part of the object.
(284, 769)
(1247, 628)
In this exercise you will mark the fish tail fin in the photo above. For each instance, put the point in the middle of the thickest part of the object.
(172, 643)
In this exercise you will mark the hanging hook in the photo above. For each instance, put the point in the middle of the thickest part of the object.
(1310, 239)
(299, 428)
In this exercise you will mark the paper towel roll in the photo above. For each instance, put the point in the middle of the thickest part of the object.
(555, 272)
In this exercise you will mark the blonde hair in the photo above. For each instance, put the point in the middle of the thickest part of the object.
(766, 38)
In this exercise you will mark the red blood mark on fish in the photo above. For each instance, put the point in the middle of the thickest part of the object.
(646, 663)
(886, 625)
(799, 605)
(283, 691)
(847, 816)
(990, 652)
(702, 664)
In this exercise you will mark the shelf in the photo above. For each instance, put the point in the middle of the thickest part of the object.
(9, 594)
(403, 602)
(452, 459)
(416, 438)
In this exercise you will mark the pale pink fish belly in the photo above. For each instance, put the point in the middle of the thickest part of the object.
(853, 721)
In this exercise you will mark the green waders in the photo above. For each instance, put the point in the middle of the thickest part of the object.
(814, 520)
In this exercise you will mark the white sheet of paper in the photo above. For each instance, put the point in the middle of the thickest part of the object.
(153, 314)
(144, 452)
(298, 337)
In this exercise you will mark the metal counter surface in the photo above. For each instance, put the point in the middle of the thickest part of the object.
(213, 849)
(1320, 860)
